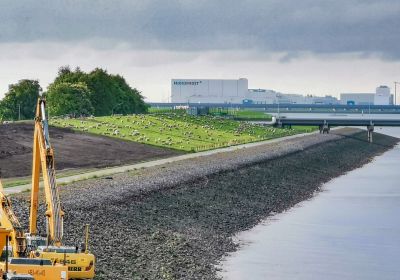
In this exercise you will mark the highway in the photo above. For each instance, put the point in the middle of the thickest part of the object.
(289, 107)
(326, 121)
(314, 119)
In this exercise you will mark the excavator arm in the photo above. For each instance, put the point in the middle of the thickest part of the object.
(43, 162)
(80, 264)
(9, 221)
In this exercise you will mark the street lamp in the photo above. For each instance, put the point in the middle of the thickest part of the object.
(188, 99)
(278, 101)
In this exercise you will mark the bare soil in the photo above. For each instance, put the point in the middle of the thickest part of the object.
(73, 150)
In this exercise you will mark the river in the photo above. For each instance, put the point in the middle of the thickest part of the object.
(350, 230)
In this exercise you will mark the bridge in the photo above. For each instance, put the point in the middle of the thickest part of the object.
(288, 107)
(325, 124)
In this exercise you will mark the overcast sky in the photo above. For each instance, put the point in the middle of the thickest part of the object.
(310, 47)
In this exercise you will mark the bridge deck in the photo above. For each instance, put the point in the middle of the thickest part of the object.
(337, 121)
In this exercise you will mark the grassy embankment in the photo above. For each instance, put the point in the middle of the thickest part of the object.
(177, 130)
(252, 115)
(234, 113)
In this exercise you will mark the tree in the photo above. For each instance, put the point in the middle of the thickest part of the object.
(20, 100)
(69, 99)
(1, 112)
(108, 93)
(65, 74)
(105, 92)
(130, 98)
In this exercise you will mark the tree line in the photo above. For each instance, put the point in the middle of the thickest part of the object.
(74, 93)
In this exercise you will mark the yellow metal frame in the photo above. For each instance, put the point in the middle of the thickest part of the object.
(43, 160)
(80, 264)
(10, 221)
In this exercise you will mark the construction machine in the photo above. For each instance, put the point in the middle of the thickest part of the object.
(10, 221)
(80, 261)
(14, 261)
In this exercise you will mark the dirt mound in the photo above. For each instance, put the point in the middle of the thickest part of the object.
(13, 148)
(73, 150)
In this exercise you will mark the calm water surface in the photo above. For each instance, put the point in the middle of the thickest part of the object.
(349, 231)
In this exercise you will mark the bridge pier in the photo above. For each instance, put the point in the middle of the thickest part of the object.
(370, 130)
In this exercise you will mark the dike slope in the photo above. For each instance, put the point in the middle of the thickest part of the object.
(178, 220)
(74, 150)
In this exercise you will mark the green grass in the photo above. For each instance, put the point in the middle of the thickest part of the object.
(177, 131)
(252, 115)
(18, 181)
(240, 114)
(164, 110)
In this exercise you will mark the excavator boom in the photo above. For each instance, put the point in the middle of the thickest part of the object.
(80, 264)
(43, 160)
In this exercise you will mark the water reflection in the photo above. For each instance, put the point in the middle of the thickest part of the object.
(349, 231)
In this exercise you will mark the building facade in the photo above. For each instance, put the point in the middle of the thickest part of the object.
(357, 98)
(208, 91)
(381, 96)
(235, 92)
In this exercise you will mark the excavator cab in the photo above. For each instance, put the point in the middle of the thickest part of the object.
(18, 268)
(34, 241)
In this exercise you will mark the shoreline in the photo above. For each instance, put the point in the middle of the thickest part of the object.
(176, 221)
(330, 232)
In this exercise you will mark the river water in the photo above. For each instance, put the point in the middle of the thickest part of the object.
(351, 230)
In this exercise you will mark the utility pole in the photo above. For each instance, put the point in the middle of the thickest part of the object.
(19, 111)
(369, 110)
(277, 99)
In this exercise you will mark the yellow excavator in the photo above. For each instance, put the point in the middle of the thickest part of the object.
(14, 263)
(10, 221)
(80, 261)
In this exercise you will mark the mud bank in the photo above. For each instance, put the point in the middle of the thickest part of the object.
(178, 220)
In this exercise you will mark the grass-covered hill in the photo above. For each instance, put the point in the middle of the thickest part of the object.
(177, 130)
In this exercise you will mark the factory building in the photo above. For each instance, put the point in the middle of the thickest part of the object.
(381, 96)
(235, 92)
(209, 91)
(357, 98)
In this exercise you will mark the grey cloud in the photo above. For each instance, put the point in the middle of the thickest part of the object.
(327, 27)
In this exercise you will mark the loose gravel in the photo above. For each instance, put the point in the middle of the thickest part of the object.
(176, 221)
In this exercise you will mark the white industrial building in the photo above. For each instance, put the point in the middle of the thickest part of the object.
(209, 91)
(357, 98)
(381, 96)
(238, 92)
(235, 92)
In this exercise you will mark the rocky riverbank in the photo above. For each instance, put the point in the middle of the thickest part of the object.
(177, 221)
